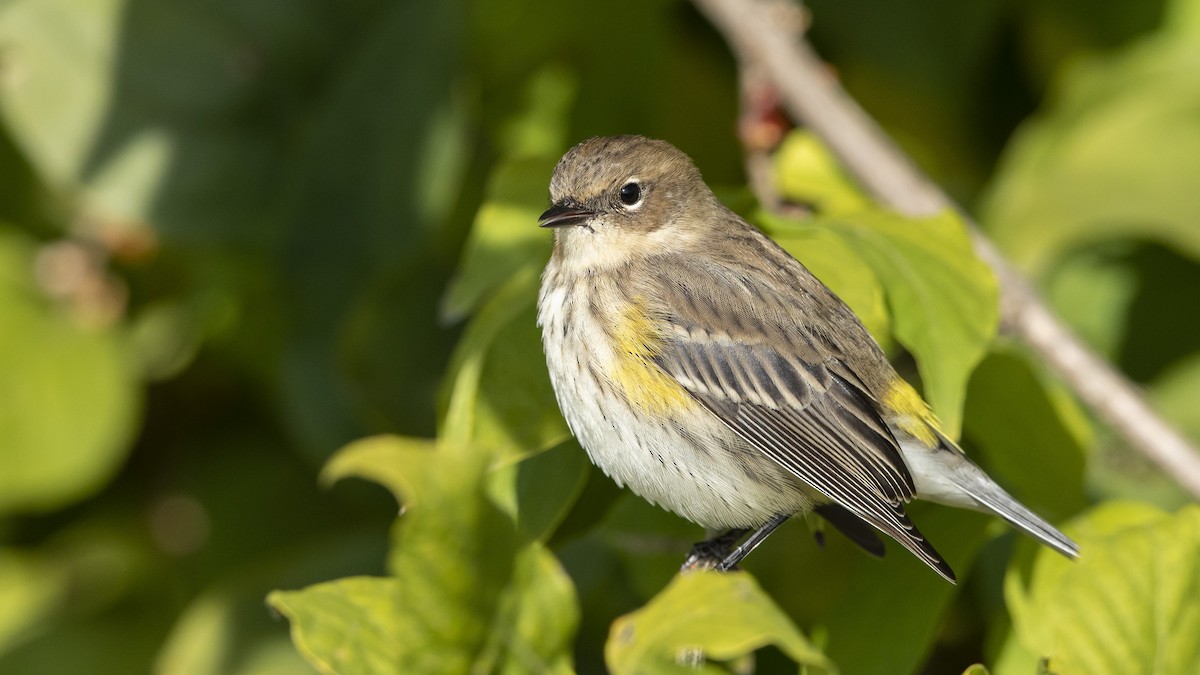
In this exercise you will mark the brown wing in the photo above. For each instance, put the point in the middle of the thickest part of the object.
(796, 405)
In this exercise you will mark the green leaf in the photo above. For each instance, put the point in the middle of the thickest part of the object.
(976, 669)
(1114, 156)
(537, 628)
(370, 189)
(869, 615)
(547, 486)
(466, 369)
(541, 128)
(500, 396)
(1021, 422)
(368, 625)
(943, 300)
(1093, 290)
(1130, 603)
(464, 596)
(807, 173)
(65, 51)
(353, 626)
(69, 403)
(505, 236)
(448, 525)
(202, 644)
(1183, 18)
(224, 630)
(452, 551)
(516, 411)
(884, 616)
(1175, 395)
(702, 617)
(30, 589)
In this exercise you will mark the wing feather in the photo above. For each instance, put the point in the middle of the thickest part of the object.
(822, 427)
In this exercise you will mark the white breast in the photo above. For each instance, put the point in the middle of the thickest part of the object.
(691, 464)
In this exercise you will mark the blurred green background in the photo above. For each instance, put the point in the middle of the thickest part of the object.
(228, 230)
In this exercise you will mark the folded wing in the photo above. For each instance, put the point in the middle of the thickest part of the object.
(808, 414)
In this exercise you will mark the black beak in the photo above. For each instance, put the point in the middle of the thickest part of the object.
(562, 215)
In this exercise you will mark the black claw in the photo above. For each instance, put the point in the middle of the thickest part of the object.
(709, 554)
(716, 553)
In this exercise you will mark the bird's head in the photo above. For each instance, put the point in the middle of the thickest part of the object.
(614, 197)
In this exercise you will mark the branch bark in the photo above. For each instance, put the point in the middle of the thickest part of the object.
(768, 33)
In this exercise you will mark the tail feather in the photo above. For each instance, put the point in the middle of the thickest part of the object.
(945, 475)
(856, 529)
(1002, 504)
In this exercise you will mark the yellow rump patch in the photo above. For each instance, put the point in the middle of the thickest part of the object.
(910, 413)
(644, 384)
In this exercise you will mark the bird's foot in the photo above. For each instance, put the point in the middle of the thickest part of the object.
(723, 553)
(710, 554)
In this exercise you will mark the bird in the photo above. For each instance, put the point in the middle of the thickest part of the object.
(705, 369)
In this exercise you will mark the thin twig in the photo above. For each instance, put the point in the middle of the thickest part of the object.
(813, 97)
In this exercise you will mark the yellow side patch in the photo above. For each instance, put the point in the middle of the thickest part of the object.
(644, 384)
(910, 412)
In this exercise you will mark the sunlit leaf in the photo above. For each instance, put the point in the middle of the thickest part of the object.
(1130, 603)
(30, 588)
(368, 625)
(1176, 393)
(69, 402)
(463, 596)
(201, 644)
(505, 236)
(1183, 18)
(1113, 156)
(516, 411)
(63, 52)
(807, 173)
(452, 552)
(540, 129)
(702, 618)
(896, 605)
(354, 625)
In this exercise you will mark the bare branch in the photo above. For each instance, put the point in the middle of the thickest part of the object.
(758, 35)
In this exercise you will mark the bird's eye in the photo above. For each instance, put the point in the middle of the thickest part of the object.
(630, 193)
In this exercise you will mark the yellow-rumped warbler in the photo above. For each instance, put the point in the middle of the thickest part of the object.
(705, 368)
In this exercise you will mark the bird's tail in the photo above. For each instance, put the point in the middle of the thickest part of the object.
(945, 475)
(996, 500)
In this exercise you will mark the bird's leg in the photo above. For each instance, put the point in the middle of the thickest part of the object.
(709, 554)
(719, 553)
(757, 537)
